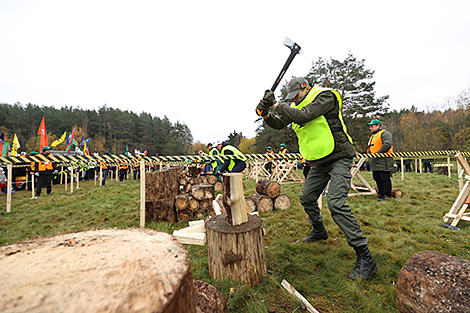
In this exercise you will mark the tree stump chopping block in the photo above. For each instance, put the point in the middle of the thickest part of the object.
(236, 252)
(431, 281)
(109, 270)
(269, 188)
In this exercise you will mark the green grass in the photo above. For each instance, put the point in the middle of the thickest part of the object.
(396, 229)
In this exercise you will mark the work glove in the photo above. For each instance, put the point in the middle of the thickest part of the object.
(269, 97)
(36, 174)
(263, 108)
(55, 172)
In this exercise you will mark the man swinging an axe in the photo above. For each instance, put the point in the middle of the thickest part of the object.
(315, 116)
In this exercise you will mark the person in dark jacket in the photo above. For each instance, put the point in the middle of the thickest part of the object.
(315, 116)
(235, 165)
(45, 172)
(382, 167)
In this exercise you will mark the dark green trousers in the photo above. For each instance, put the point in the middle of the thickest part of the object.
(339, 175)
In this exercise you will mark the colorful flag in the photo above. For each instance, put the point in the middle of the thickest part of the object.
(60, 140)
(71, 141)
(4, 148)
(85, 149)
(15, 146)
(42, 132)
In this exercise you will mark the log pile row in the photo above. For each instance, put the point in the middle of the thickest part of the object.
(267, 198)
(196, 195)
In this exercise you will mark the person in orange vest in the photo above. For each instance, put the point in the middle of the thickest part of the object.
(123, 168)
(381, 141)
(44, 173)
(137, 168)
(104, 169)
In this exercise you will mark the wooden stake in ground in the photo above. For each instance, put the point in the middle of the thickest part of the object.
(236, 252)
(431, 281)
(304, 302)
(109, 270)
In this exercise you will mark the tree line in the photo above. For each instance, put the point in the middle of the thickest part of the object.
(110, 130)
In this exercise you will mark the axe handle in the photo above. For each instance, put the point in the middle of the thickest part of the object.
(293, 52)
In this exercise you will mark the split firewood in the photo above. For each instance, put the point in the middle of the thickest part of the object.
(263, 202)
(282, 202)
(220, 201)
(269, 188)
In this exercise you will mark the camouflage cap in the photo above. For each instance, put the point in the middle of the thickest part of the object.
(294, 87)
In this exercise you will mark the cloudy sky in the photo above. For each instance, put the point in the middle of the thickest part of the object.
(207, 63)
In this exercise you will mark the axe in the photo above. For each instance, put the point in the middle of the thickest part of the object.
(294, 50)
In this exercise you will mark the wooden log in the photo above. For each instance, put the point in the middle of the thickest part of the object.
(208, 299)
(211, 179)
(236, 252)
(431, 281)
(263, 202)
(108, 270)
(198, 180)
(160, 210)
(184, 215)
(201, 192)
(205, 205)
(282, 202)
(193, 204)
(269, 188)
(250, 205)
(197, 192)
(218, 186)
(181, 202)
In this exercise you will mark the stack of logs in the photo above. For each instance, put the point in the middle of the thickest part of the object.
(267, 198)
(196, 195)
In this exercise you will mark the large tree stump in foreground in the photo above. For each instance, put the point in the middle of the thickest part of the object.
(431, 281)
(236, 252)
(110, 270)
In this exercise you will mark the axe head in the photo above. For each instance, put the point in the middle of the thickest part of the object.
(292, 45)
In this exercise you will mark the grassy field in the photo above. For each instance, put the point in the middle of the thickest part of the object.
(396, 229)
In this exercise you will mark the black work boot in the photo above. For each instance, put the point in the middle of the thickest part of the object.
(318, 233)
(365, 267)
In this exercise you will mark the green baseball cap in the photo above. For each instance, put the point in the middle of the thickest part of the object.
(375, 122)
(45, 148)
(294, 87)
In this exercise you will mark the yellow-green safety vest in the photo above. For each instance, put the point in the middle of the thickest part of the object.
(235, 152)
(315, 138)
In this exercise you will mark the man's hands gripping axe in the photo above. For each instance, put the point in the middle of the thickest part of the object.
(268, 101)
